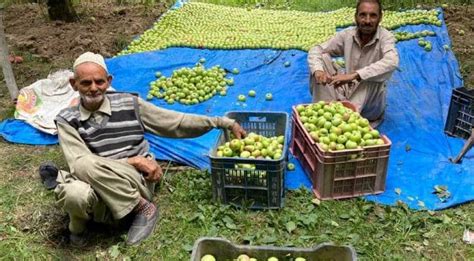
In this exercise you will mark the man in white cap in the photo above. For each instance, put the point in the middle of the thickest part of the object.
(370, 58)
(110, 167)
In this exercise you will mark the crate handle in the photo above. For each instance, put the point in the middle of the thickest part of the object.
(258, 119)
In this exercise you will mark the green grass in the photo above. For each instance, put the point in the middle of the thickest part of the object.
(30, 226)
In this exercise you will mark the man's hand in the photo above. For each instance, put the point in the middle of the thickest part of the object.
(322, 77)
(148, 166)
(341, 79)
(238, 131)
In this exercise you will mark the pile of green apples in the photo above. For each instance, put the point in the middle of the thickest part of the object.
(393, 19)
(245, 257)
(202, 25)
(403, 36)
(335, 127)
(190, 86)
(254, 146)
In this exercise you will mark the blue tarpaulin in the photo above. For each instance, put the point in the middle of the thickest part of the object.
(418, 100)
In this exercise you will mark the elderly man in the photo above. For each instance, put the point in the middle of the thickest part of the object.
(370, 57)
(103, 142)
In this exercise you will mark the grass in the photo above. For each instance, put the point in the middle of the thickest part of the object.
(31, 228)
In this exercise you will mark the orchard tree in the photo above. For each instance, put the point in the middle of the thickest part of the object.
(61, 10)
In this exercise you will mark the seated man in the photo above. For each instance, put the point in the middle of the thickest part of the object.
(102, 139)
(370, 57)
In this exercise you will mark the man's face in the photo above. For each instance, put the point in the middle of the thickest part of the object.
(368, 18)
(92, 81)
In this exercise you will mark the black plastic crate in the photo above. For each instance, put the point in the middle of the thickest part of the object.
(251, 183)
(223, 249)
(461, 113)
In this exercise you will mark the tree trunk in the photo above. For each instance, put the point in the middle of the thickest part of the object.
(61, 10)
(5, 64)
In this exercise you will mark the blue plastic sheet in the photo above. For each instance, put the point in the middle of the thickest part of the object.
(17, 131)
(418, 99)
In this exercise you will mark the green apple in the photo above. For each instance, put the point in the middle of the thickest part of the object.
(341, 139)
(235, 71)
(243, 257)
(241, 98)
(235, 144)
(375, 134)
(272, 259)
(208, 258)
(256, 153)
(287, 64)
(277, 155)
(351, 145)
(158, 74)
(268, 96)
(249, 148)
(300, 259)
(281, 139)
(290, 166)
(249, 141)
(252, 93)
(367, 136)
(245, 154)
(428, 47)
(300, 108)
(202, 60)
(370, 142)
(314, 135)
(227, 152)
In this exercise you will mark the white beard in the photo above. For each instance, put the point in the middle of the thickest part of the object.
(92, 100)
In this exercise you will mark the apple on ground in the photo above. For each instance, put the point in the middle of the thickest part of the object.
(290, 166)
(268, 96)
(208, 258)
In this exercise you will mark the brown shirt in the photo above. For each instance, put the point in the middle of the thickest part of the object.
(374, 62)
(155, 120)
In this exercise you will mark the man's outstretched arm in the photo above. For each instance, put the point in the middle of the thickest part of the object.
(175, 124)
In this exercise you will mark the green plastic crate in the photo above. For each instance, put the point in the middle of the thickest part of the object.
(223, 250)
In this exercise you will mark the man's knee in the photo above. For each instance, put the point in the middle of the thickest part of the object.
(76, 198)
(84, 166)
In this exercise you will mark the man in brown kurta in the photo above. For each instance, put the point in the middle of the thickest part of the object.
(370, 59)
(111, 172)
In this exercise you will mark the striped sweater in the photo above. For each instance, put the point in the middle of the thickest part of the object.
(119, 136)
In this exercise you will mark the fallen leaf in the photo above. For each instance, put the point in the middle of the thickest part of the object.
(290, 226)
(114, 251)
(421, 204)
(316, 201)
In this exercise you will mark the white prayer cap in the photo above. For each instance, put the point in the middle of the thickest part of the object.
(89, 57)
